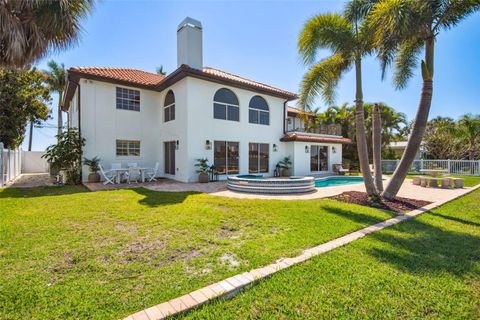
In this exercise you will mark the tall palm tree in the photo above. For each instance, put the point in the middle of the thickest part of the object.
(348, 37)
(377, 146)
(403, 28)
(30, 28)
(56, 80)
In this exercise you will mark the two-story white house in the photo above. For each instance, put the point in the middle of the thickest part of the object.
(241, 126)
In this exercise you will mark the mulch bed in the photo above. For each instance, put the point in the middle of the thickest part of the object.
(400, 205)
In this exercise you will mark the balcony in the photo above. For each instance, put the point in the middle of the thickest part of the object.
(328, 129)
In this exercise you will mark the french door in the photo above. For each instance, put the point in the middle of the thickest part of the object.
(169, 148)
(318, 158)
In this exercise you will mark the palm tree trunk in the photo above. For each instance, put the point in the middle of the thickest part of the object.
(30, 136)
(419, 124)
(60, 120)
(377, 146)
(360, 132)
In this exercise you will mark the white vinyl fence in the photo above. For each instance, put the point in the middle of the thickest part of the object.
(10, 165)
(463, 167)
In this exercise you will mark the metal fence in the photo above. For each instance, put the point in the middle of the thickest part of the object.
(463, 167)
(10, 165)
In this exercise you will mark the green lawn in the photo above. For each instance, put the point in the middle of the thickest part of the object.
(428, 267)
(70, 254)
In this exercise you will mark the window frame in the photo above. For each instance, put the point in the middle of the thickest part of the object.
(258, 112)
(226, 106)
(128, 147)
(122, 102)
(258, 157)
(168, 108)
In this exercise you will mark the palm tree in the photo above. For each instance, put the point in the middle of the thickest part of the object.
(56, 80)
(468, 130)
(29, 29)
(348, 37)
(402, 29)
(377, 146)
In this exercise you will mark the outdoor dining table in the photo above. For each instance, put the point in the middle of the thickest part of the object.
(119, 172)
(434, 172)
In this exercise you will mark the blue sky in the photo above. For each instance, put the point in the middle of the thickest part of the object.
(257, 40)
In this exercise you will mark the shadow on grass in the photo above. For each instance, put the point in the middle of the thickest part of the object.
(40, 191)
(424, 248)
(156, 198)
(356, 216)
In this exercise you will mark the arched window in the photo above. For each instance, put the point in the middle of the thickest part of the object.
(258, 111)
(225, 105)
(169, 106)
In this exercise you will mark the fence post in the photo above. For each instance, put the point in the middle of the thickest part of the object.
(2, 176)
(421, 165)
(448, 166)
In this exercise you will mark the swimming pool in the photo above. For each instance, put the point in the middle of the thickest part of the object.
(336, 181)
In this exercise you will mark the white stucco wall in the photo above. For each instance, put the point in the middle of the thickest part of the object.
(102, 124)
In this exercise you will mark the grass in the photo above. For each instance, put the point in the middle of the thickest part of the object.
(428, 267)
(70, 254)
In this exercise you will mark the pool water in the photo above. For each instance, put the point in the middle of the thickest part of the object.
(337, 181)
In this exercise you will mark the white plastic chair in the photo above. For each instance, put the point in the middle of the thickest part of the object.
(151, 173)
(110, 176)
(133, 174)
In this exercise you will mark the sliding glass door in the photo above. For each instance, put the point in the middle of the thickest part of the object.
(318, 158)
(258, 155)
(226, 157)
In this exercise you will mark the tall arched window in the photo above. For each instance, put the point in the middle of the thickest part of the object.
(225, 105)
(169, 106)
(258, 111)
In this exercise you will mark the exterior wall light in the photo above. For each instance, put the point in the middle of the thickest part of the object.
(208, 145)
(275, 147)
(177, 145)
(307, 150)
(334, 150)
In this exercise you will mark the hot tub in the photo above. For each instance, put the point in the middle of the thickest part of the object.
(258, 184)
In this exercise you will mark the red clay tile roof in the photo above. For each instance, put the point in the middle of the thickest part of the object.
(295, 111)
(123, 74)
(155, 82)
(311, 137)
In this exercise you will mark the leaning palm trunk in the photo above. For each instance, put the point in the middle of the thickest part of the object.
(419, 124)
(377, 146)
(361, 135)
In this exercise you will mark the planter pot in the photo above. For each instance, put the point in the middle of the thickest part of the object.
(203, 177)
(93, 177)
(286, 173)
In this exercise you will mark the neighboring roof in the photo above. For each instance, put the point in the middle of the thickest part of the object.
(297, 111)
(314, 137)
(155, 82)
(398, 144)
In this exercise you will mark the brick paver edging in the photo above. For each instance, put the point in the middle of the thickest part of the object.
(233, 285)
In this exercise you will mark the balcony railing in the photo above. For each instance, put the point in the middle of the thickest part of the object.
(330, 129)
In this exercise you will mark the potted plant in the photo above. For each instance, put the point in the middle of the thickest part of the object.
(286, 164)
(202, 170)
(94, 166)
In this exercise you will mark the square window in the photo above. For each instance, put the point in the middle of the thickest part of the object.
(233, 113)
(219, 111)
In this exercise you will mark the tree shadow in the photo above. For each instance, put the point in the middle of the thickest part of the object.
(356, 216)
(157, 198)
(41, 191)
(460, 220)
(424, 248)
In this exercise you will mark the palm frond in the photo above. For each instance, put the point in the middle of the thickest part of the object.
(322, 79)
(406, 61)
(325, 31)
(454, 11)
(358, 10)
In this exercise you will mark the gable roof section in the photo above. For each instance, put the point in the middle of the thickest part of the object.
(313, 137)
(155, 82)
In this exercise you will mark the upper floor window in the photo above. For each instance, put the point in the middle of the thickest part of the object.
(225, 105)
(258, 111)
(128, 99)
(128, 148)
(169, 106)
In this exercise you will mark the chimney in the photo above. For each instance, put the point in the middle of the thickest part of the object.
(189, 43)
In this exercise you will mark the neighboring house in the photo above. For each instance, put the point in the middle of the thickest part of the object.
(239, 125)
(398, 147)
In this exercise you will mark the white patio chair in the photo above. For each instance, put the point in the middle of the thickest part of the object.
(151, 173)
(110, 176)
(133, 174)
(115, 166)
